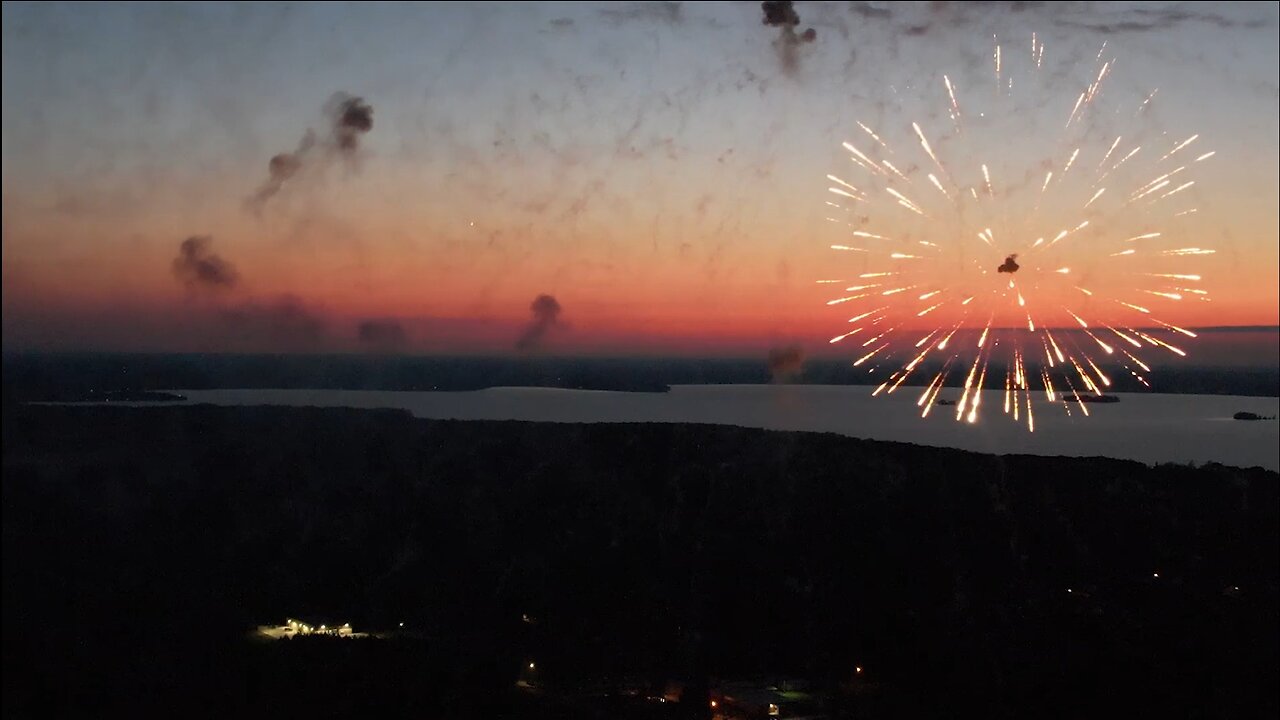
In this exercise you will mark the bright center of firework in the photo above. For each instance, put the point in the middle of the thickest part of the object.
(986, 250)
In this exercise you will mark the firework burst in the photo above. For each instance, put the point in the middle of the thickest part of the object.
(1020, 238)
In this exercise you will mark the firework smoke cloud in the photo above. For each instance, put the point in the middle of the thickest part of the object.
(785, 363)
(546, 315)
(198, 267)
(350, 118)
(782, 15)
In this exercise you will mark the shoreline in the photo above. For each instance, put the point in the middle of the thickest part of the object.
(1146, 427)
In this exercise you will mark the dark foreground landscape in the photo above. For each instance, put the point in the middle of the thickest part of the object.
(544, 570)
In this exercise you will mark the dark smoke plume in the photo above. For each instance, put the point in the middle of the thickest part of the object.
(1010, 265)
(280, 169)
(382, 334)
(786, 363)
(198, 268)
(546, 314)
(349, 119)
(782, 15)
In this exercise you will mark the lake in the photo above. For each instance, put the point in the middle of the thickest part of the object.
(1149, 428)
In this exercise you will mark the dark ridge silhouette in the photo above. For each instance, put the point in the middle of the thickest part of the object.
(54, 376)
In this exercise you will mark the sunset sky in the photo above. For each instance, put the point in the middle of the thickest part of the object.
(660, 170)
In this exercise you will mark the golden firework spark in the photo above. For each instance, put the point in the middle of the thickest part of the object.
(971, 253)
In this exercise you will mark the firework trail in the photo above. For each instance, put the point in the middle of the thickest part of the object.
(989, 255)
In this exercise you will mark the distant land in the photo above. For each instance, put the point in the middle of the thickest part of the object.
(71, 377)
(94, 396)
(1147, 427)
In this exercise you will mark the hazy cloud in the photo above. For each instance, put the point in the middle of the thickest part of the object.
(382, 334)
(284, 321)
(871, 9)
(667, 13)
(1146, 19)
(1100, 18)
